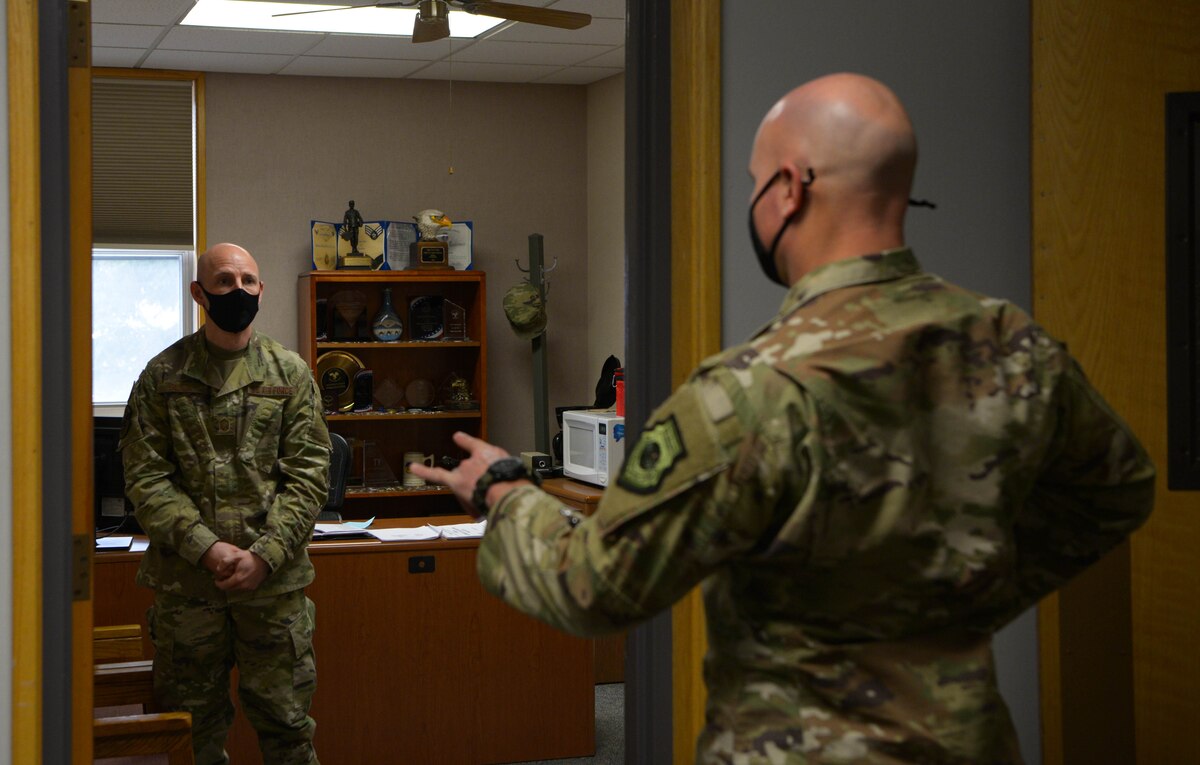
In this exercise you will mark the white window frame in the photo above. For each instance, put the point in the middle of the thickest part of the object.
(191, 311)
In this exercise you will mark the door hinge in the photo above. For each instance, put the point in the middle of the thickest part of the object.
(82, 547)
(79, 33)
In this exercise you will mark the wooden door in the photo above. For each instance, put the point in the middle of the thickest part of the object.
(1120, 669)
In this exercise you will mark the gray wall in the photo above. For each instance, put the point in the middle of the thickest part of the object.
(962, 69)
(284, 150)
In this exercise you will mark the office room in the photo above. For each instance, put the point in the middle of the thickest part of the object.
(295, 125)
(1017, 76)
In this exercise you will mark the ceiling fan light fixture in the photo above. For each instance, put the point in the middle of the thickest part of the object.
(341, 19)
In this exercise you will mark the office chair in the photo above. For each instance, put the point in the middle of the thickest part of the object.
(339, 469)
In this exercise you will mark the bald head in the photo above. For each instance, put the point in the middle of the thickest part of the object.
(855, 136)
(851, 129)
(223, 260)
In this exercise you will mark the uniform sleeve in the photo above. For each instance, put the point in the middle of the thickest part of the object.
(168, 516)
(700, 485)
(1096, 489)
(304, 485)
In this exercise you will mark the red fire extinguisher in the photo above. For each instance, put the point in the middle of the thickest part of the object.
(619, 384)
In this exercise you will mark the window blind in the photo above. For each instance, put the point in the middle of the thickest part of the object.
(142, 162)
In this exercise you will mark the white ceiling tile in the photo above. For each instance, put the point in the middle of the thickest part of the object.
(484, 72)
(206, 61)
(328, 66)
(239, 40)
(600, 9)
(122, 57)
(579, 75)
(612, 57)
(368, 46)
(139, 11)
(124, 35)
(599, 32)
(547, 54)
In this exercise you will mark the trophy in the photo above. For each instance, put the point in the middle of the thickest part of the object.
(454, 321)
(364, 383)
(431, 250)
(352, 221)
(456, 394)
(349, 306)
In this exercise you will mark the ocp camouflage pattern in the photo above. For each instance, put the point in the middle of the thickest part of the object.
(195, 643)
(887, 473)
(245, 461)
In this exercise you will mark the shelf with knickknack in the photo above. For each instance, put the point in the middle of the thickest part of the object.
(397, 386)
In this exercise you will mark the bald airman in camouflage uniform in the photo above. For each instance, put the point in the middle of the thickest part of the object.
(226, 459)
(888, 472)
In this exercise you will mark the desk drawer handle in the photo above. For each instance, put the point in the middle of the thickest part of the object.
(421, 564)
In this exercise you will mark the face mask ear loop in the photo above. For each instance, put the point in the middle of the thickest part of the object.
(804, 184)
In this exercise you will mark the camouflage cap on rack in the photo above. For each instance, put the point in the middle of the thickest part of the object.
(526, 310)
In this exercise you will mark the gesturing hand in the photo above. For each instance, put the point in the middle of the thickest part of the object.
(462, 479)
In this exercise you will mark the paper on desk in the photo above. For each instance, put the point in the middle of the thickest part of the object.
(113, 543)
(463, 530)
(139, 545)
(349, 527)
(405, 535)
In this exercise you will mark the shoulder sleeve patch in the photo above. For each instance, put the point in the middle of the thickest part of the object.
(652, 458)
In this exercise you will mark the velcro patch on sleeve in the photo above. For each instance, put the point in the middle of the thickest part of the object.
(655, 454)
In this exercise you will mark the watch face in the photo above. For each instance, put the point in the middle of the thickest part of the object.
(507, 468)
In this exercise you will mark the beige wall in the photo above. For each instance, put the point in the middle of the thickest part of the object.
(606, 221)
(284, 150)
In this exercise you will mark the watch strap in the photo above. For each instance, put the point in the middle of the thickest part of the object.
(504, 469)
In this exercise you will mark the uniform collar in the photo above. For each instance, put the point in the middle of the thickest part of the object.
(867, 269)
(195, 365)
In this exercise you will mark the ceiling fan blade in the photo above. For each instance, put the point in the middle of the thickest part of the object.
(347, 8)
(544, 16)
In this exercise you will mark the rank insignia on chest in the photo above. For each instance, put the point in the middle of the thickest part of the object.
(224, 426)
(655, 454)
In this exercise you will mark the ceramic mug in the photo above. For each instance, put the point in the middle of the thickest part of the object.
(410, 457)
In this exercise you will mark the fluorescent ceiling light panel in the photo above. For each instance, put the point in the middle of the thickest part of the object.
(341, 19)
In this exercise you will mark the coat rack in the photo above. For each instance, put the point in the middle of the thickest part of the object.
(541, 385)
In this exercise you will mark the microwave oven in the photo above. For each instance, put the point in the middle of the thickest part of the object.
(593, 446)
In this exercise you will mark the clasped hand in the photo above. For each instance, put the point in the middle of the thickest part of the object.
(234, 569)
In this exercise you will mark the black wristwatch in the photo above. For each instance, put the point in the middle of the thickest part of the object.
(503, 469)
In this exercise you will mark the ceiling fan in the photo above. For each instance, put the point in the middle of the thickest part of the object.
(433, 20)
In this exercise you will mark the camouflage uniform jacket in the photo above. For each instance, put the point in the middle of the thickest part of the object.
(889, 471)
(246, 462)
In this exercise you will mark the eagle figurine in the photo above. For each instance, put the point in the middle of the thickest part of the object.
(432, 225)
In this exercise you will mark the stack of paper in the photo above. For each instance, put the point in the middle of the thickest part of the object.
(416, 534)
(347, 529)
(462, 530)
(113, 543)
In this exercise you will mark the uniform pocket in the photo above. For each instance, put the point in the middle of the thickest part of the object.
(261, 443)
(166, 681)
(304, 668)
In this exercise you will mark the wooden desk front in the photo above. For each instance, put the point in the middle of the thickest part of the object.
(416, 663)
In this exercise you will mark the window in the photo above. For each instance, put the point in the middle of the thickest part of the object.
(140, 305)
(145, 185)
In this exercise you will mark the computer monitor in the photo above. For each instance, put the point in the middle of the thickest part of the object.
(114, 513)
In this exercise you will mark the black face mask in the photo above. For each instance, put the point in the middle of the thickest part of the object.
(766, 257)
(232, 311)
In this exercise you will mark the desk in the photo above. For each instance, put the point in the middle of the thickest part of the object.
(416, 663)
(610, 651)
